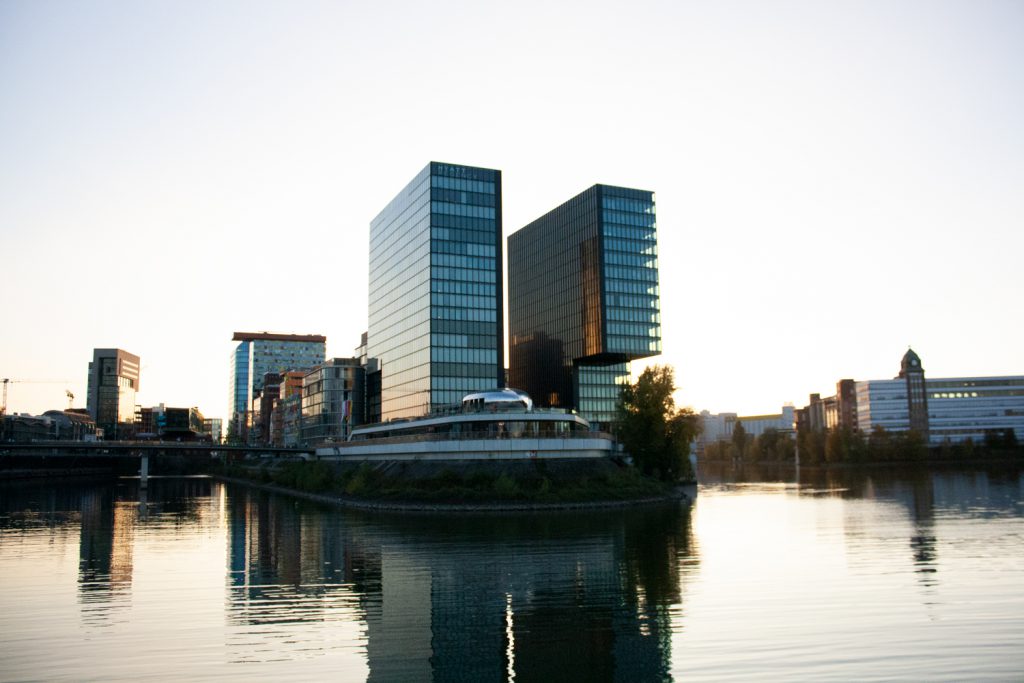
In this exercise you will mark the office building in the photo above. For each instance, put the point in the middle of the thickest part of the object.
(258, 353)
(941, 410)
(720, 426)
(435, 290)
(214, 428)
(333, 396)
(584, 300)
(959, 408)
(111, 391)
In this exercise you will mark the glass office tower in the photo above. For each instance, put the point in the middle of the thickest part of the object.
(435, 308)
(584, 300)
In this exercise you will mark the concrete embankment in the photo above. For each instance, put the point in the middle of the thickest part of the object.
(682, 493)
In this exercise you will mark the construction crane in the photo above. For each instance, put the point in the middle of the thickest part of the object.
(8, 380)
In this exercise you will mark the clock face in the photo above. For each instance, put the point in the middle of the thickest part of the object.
(914, 363)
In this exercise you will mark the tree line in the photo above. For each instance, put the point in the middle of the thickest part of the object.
(845, 445)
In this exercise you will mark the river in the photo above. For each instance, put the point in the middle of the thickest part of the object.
(855, 574)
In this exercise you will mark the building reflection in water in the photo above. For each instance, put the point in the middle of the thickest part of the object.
(565, 596)
(106, 538)
(110, 517)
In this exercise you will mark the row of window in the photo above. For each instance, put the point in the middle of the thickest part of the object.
(631, 287)
(441, 220)
(462, 248)
(959, 384)
(639, 302)
(635, 274)
(633, 345)
(464, 327)
(996, 393)
(633, 315)
(453, 287)
(465, 341)
(623, 204)
(642, 234)
(485, 236)
(460, 384)
(462, 210)
(621, 258)
(634, 329)
(464, 370)
(481, 186)
(462, 197)
(457, 261)
(630, 246)
(441, 354)
(463, 300)
(463, 274)
(467, 314)
(634, 219)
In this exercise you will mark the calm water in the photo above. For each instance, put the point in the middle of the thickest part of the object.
(881, 575)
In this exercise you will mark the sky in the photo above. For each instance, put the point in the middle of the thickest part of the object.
(835, 181)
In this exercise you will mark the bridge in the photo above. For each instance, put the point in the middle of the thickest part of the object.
(39, 452)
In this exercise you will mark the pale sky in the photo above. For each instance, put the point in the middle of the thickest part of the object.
(835, 180)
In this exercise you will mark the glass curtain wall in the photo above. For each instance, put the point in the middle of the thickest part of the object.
(465, 287)
(435, 293)
(631, 295)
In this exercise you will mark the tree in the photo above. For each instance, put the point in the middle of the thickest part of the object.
(652, 430)
(739, 439)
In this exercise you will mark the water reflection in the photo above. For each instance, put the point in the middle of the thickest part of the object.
(922, 495)
(566, 596)
(206, 580)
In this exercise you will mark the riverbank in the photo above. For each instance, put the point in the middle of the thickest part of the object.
(461, 487)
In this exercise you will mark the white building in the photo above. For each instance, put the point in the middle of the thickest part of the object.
(959, 408)
(719, 427)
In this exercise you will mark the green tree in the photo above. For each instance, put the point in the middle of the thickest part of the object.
(652, 430)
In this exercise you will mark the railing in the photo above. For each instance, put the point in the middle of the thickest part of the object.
(471, 436)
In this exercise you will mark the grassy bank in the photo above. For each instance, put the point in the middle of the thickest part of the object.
(454, 483)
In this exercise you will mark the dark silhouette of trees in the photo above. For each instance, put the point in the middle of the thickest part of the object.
(652, 430)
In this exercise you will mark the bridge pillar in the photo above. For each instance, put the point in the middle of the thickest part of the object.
(144, 469)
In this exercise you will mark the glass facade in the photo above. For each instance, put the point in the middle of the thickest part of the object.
(435, 313)
(259, 353)
(332, 401)
(959, 408)
(584, 299)
(112, 387)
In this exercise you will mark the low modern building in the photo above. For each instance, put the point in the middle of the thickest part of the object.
(720, 427)
(214, 428)
(59, 425)
(161, 422)
(942, 410)
(332, 401)
(959, 408)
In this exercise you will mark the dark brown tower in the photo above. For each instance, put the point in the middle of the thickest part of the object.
(917, 396)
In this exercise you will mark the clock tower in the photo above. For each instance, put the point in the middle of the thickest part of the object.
(917, 396)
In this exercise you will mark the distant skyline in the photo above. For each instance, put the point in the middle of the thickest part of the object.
(834, 181)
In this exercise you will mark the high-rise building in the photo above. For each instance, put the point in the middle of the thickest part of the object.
(257, 354)
(112, 387)
(584, 299)
(435, 304)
